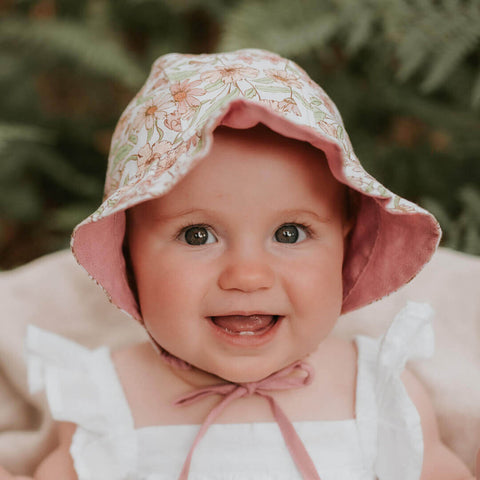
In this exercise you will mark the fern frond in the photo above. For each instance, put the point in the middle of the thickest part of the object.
(26, 148)
(459, 42)
(90, 49)
(432, 37)
(66, 175)
(289, 28)
(360, 32)
(66, 217)
(12, 132)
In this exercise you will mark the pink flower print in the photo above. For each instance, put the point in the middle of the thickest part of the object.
(245, 58)
(147, 154)
(328, 103)
(158, 69)
(144, 156)
(230, 74)
(328, 128)
(273, 104)
(284, 77)
(149, 112)
(289, 105)
(173, 121)
(159, 83)
(283, 106)
(185, 95)
(166, 162)
(190, 143)
(270, 57)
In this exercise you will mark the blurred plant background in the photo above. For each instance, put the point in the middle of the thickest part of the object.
(404, 73)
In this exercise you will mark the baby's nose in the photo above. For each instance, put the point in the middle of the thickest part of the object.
(246, 275)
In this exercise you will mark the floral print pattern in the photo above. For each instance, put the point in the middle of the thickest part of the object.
(229, 74)
(185, 95)
(168, 126)
(165, 126)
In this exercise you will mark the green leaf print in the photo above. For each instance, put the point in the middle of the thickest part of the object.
(383, 191)
(266, 88)
(264, 80)
(215, 86)
(181, 75)
(302, 100)
(149, 135)
(217, 105)
(159, 131)
(121, 154)
(114, 148)
(250, 93)
(198, 146)
(319, 115)
(316, 102)
(142, 100)
(133, 139)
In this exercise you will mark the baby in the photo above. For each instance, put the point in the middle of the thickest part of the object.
(237, 226)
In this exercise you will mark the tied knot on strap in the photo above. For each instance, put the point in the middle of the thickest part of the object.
(250, 388)
(284, 379)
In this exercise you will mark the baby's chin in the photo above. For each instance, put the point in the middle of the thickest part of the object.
(243, 371)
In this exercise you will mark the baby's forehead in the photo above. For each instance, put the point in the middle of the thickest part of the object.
(257, 167)
(265, 151)
(260, 135)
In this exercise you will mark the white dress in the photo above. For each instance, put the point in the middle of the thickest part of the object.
(384, 440)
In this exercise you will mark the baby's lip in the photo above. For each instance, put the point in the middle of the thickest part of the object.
(246, 313)
(246, 329)
(252, 324)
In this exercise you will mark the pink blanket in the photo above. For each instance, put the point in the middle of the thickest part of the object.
(55, 294)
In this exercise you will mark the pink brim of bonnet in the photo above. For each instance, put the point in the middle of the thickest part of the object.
(169, 126)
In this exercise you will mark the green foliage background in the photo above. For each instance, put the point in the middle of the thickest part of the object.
(404, 73)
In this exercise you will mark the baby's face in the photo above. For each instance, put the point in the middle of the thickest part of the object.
(239, 267)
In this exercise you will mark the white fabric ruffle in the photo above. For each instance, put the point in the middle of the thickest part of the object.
(384, 440)
(82, 388)
(400, 439)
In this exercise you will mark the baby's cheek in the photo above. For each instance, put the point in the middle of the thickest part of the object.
(317, 332)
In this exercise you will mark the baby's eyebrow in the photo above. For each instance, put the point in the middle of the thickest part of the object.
(179, 214)
(300, 212)
(281, 214)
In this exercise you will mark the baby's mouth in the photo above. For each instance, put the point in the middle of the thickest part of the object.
(256, 324)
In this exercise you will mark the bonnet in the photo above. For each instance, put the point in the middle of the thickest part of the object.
(168, 127)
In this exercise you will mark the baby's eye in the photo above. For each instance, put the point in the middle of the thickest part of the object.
(197, 235)
(291, 233)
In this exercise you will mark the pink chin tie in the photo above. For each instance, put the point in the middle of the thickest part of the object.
(282, 380)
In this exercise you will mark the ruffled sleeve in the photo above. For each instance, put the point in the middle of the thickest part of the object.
(399, 434)
(82, 387)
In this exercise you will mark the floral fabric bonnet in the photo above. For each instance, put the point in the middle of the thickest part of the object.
(168, 127)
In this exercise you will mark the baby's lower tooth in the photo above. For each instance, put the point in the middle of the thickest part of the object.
(246, 333)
